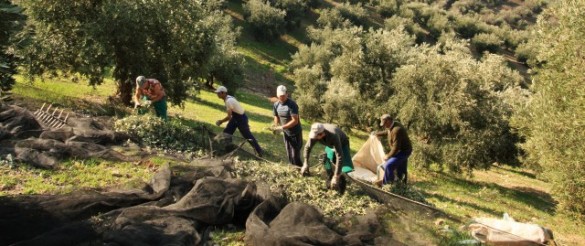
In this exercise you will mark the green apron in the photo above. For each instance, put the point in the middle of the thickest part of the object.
(347, 165)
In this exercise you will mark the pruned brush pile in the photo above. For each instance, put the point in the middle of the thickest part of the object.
(285, 179)
(170, 136)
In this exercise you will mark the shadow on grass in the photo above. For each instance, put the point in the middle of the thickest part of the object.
(74, 104)
(474, 206)
(523, 173)
(251, 116)
(538, 199)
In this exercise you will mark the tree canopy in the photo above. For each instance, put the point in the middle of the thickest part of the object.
(10, 23)
(177, 42)
(552, 121)
(455, 106)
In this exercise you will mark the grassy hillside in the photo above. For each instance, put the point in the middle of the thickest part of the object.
(491, 193)
(487, 194)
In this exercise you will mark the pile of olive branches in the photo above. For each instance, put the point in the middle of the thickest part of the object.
(285, 179)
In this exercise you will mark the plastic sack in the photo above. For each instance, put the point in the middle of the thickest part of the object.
(367, 161)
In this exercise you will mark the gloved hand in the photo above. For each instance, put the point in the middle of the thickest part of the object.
(147, 103)
(305, 169)
(277, 130)
(322, 157)
(218, 123)
(334, 181)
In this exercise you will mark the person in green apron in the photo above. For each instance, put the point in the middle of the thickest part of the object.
(337, 146)
(150, 92)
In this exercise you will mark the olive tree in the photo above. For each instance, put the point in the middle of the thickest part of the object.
(456, 106)
(173, 41)
(295, 11)
(552, 120)
(10, 23)
(266, 20)
(353, 64)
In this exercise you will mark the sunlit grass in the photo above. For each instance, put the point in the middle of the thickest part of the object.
(62, 90)
(487, 194)
(73, 175)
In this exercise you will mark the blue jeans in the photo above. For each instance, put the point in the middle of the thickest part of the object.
(240, 121)
(398, 162)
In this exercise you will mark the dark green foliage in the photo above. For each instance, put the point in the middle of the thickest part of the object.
(355, 13)
(332, 18)
(455, 107)
(342, 74)
(10, 22)
(486, 42)
(173, 41)
(467, 27)
(266, 20)
(552, 120)
(387, 8)
(526, 52)
(295, 11)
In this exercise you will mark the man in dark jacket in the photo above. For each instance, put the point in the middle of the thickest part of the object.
(400, 150)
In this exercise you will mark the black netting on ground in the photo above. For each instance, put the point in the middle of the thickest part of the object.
(17, 122)
(173, 210)
(23, 136)
(179, 209)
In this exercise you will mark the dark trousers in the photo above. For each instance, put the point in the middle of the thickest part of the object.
(329, 164)
(398, 163)
(240, 121)
(293, 146)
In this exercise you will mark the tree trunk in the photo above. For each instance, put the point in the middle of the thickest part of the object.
(125, 92)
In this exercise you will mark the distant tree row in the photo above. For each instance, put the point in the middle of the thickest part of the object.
(489, 25)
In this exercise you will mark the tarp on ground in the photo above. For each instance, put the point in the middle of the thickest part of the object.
(171, 210)
(22, 136)
(367, 160)
(508, 232)
(175, 210)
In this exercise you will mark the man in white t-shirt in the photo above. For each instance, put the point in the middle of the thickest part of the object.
(236, 118)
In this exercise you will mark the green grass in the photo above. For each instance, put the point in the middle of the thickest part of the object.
(487, 194)
(73, 175)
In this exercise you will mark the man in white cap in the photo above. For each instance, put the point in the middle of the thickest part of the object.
(286, 118)
(400, 150)
(151, 91)
(236, 118)
(332, 137)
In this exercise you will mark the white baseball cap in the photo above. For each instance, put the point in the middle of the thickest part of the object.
(315, 130)
(280, 90)
(383, 119)
(221, 89)
(140, 80)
